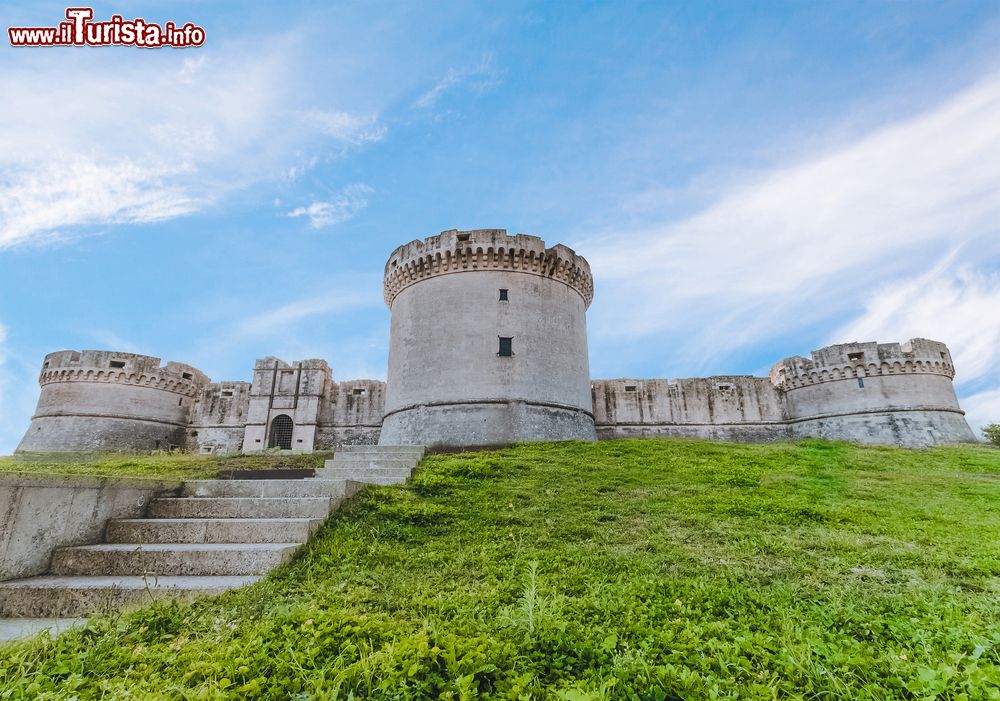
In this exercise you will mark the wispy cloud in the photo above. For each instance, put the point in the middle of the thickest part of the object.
(344, 206)
(363, 292)
(817, 240)
(982, 409)
(958, 305)
(480, 77)
(107, 142)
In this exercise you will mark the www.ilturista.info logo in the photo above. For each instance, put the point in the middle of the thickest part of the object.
(117, 31)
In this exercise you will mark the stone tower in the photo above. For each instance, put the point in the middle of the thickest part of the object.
(874, 393)
(488, 341)
(104, 400)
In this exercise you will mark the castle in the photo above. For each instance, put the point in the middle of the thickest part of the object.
(488, 346)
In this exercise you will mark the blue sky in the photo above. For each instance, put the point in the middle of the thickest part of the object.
(749, 181)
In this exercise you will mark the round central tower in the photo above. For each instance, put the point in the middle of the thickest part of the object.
(488, 341)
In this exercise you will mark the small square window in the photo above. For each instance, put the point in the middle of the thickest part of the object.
(506, 347)
(117, 364)
(503, 296)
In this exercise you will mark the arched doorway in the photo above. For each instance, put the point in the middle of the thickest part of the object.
(281, 432)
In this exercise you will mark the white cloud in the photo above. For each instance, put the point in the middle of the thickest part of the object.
(362, 292)
(957, 305)
(982, 409)
(809, 242)
(99, 140)
(479, 78)
(344, 206)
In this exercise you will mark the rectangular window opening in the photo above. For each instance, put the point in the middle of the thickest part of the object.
(506, 347)
(180, 402)
(725, 388)
(855, 356)
(359, 390)
(186, 375)
(117, 364)
(630, 388)
(503, 296)
(227, 394)
(464, 238)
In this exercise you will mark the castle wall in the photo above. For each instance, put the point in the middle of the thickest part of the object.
(100, 400)
(354, 416)
(219, 418)
(737, 408)
(447, 382)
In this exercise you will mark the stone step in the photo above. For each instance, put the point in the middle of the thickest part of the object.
(367, 475)
(264, 488)
(368, 461)
(201, 559)
(407, 450)
(52, 596)
(242, 507)
(211, 530)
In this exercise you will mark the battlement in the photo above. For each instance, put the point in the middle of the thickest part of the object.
(847, 360)
(456, 251)
(121, 368)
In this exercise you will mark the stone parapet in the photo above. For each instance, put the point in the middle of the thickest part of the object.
(846, 361)
(485, 249)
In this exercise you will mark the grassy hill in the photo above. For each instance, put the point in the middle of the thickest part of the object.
(637, 569)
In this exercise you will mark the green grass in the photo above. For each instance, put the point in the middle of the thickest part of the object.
(637, 569)
(150, 465)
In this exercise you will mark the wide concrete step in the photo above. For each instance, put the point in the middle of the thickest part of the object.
(264, 488)
(201, 559)
(367, 475)
(368, 461)
(211, 530)
(407, 450)
(52, 596)
(242, 507)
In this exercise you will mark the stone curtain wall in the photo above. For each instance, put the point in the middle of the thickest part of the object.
(865, 392)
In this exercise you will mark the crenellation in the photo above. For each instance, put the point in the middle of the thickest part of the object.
(485, 249)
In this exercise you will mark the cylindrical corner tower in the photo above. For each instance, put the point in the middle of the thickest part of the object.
(102, 400)
(488, 341)
(872, 392)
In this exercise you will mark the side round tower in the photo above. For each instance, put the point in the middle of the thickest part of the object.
(874, 393)
(488, 341)
(102, 400)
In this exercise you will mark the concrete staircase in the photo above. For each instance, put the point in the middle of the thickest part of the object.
(216, 535)
(213, 536)
(373, 464)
